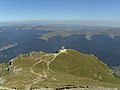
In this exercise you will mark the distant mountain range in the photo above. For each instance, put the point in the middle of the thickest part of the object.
(102, 42)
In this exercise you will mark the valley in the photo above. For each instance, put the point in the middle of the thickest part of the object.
(102, 42)
(60, 45)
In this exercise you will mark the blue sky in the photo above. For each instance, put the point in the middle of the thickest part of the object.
(23, 10)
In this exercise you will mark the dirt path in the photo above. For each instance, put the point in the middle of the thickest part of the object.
(39, 76)
(44, 58)
(48, 58)
(48, 63)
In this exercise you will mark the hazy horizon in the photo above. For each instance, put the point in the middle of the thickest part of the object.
(73, 22)
(84, 12)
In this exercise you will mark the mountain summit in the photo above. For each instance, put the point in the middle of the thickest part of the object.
(62, 70)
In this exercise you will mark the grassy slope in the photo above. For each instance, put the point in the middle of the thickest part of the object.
(72, 68)
(78, 64)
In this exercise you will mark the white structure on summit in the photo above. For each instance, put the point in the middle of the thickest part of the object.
(63, 49)
(62, 46)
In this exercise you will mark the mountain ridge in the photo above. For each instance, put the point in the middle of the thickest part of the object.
(56, 70)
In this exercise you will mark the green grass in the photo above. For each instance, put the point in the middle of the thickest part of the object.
(71, 68)
(82, 65)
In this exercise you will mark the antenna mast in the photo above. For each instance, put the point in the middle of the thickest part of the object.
(62, 43)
